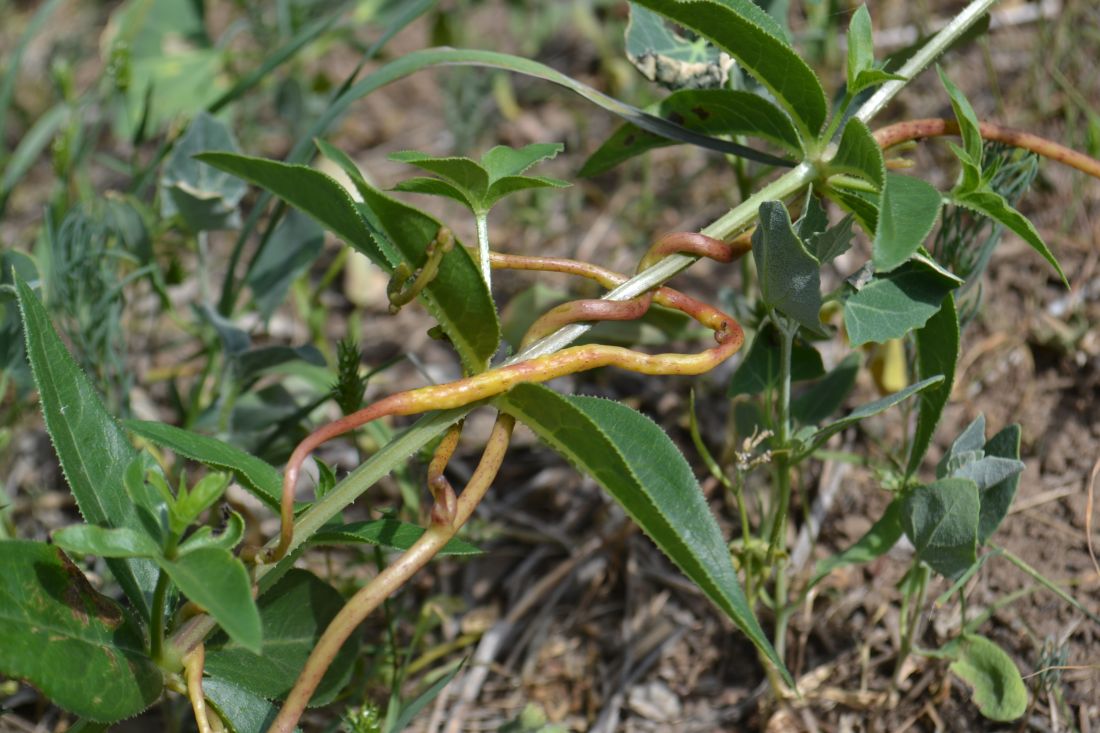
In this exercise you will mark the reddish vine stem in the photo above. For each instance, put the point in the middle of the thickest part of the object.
(488, 384)
(892, 135)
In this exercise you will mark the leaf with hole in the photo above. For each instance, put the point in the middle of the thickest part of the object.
(637, 463)
(77, 646)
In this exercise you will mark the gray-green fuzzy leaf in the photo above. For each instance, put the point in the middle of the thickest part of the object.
(995, 682)
(891, 305)
(937, 354)
(908, 211)
(941, 520)
(790, 277)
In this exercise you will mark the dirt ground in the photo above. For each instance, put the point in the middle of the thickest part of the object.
(574, 610)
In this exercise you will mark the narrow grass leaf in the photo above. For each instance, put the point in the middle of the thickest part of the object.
(937, 354)
(216, 580)
(749, 35)
(908, 211)
(91, 446)
(708, 111)
(261, 478)
(637, 463)
(294, 613)
(995, 682)
(389, 533)
(78, 647)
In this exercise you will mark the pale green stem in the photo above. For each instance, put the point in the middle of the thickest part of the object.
(910, 621)
(481, 220)
(783, 483)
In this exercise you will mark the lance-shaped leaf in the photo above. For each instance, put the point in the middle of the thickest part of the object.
(970, 155)
(937, 354)
(390, 533)
(994, 205)
(749, 35)
(941, 520)
(93, 450)
(295, 612)
(861, 46)
(709, 111)
(77, 646)
(824, 397)
(88, 539)
(790, 277)
(859, 155)
(216, 580)
(261, 478)
(908, 211)
(637, 463)
(891, 305)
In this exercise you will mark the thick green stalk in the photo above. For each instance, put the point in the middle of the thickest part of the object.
(481, 220)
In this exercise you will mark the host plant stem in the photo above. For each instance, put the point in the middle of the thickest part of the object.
(728, 225)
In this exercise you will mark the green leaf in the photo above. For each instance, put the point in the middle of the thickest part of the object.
(203, 197)
(814, 219)
(970, 440)
(390, 533)
(633, 459)
(294, 612)
(941, 520)
(241, 710)
(261, 478)
(937, 354)
(204, 536)
(892, 305)
(861, 46)
(457, 296)
(996, 686)
(216, 580)
(710, 111)
(909, 210)
(669, 58)
(790, 277)
(406, 711)
(464, 174)
(432, 187)
(310, 190)
(822, 398)
(759, 370)
(994, 205)
(970, 131)
(858, 203)
(865, 411)
(859, 154)
(747, 34)
(878, 540)
(77, 646)
(293, 247)
(997, 498)
(872, 78)
(503, 161)
(510, 184)
(88, 539)
(201, 496)
(833, 242)
(93, 450)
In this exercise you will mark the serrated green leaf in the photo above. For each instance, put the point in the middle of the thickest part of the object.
(261, 478)
(969, 129)
(865, 411)
(877, 541)
(872, 78)
(432, 187)
(941, 520)
(759, 370)
(859, 154)
(77, 646)
(457, 296)
(747, 34)
(997, 498)
(995, 206)
(389, 533)
(908, 211)
(200, 497)
(310, 190)
(995, 682)
(294, 612)
(464, 174)
(510, 184)
(216, 580)
(859, 204)
(634, 460)
(892, 305)
(203, 197)
(937, 354)
(861, 46)
(790, 277)
(710, 111)
(88, 539)
(93, 450)
(824, 397)
(503, 161)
